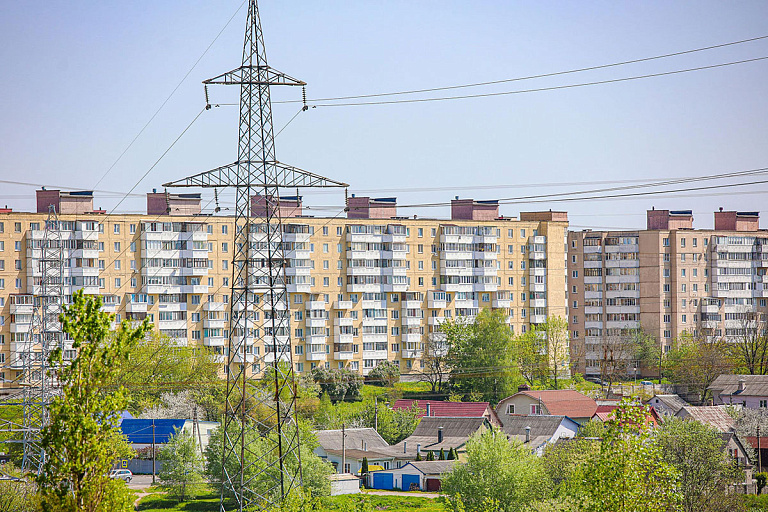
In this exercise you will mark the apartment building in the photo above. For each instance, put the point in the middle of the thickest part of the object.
(362, 290)
(667, 280)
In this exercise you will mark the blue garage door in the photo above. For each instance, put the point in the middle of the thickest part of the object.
(382, 481)
(408, 480)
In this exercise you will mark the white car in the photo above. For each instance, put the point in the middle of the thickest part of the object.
(122, 474)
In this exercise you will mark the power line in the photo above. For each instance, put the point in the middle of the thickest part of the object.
(531, 77)
(162, 105)
(540, 89)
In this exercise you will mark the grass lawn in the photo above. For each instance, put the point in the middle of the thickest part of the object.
(349, 503)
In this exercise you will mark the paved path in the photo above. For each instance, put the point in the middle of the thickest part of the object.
(431, 495)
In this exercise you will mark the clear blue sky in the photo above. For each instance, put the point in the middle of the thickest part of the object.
(80, 79)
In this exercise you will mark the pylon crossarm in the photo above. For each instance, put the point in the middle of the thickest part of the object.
(279, 176)
(256, 75)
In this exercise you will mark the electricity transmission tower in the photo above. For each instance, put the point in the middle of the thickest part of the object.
(261, 458)
(34, 388)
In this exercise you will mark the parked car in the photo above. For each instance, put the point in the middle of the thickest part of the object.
(122, 474)
(594, 380)
(646, 383)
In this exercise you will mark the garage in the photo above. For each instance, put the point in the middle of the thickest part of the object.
(433, 484)
(383, 480)
(411, 482)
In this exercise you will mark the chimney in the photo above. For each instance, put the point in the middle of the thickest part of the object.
(439, 434)
(469, 209)
(286, 206)
(522, 387)
(173, 204)
(405, 446)
(418, 448)
(65, 202)
(737, 221)
(371, 208)
(742, 385)
(669, 219)
(429, 409)
(527, 434)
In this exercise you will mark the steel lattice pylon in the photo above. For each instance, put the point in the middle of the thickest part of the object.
(261, 458)
(38, 384)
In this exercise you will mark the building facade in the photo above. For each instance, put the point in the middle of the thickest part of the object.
(667, 280)
(363, 290)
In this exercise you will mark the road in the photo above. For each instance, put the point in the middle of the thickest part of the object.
(140, 482)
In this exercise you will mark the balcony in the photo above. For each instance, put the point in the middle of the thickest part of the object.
(136, 307)
(435, 320)
(315, 356)
(410, 353)
(538, 319)
(537, 303)
(316, 322)
(343, 351)
(214, 323)
(412, 320)
(214, 341)
(345, 322)
(501, 303)
(214, 306)
(342, 304)
(411, 338)
(436, 303)
(411, 304)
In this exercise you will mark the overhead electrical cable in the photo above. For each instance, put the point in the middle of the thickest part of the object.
(541, 89)
(542, 75)
(162, 105)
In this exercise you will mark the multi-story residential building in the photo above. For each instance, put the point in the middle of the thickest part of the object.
(362, 290)
(667, 280)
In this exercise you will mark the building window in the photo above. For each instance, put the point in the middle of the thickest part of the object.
(117, 246)
(510, 408)
(116, 228)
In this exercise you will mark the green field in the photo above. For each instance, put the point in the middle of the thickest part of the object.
(351, 503)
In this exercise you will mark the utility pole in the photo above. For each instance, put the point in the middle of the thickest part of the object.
(153, 450)
(343, 449)
(258, 287)
(759, 455)
(376, 413)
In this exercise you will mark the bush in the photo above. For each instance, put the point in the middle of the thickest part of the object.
(339, 384)
(386, 374)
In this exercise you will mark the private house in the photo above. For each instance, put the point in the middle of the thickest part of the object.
(433, 433)
(713, 415)
(561, 402)
(355, 445)
(667, 405)
(451, 409)
(538, 431)
(604, 413)
(424, 475)
(750, 391)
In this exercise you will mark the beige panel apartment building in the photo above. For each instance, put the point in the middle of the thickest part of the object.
(667, 280)
(364, 289)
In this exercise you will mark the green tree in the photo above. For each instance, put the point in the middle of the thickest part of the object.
(418, 457)
(364, 466)
(430, 455)
(629, 473)
(696, 362)
(481, 356)
(556, 349)
(563, 459)
(158, 363)
(497, 470)
(441, 456)
(705, 469)
(182, 469)
(261, 455)
(435, 360)
(82, 439)
(385, 374)
(17, 494)
(338, 383)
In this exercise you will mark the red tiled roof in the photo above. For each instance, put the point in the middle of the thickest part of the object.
(604, 413)
(445, 409)
(564, 402)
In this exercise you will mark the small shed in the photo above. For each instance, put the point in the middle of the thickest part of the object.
(423, 475)
(344, 483)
